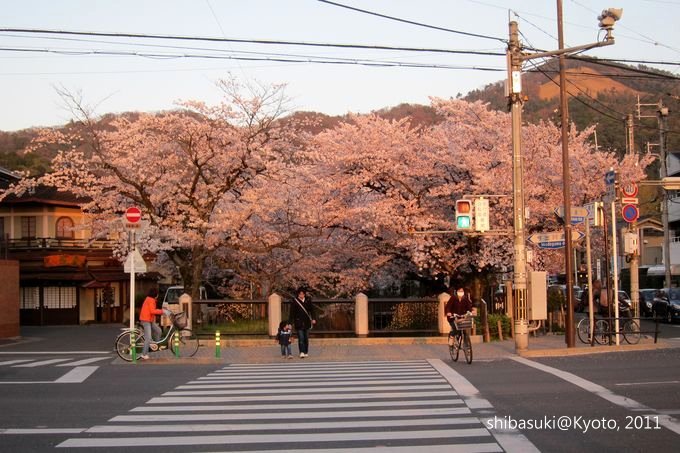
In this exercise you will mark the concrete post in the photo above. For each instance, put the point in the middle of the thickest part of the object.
(361, 315)
(444, 326)
(186, 305)
(274, 307)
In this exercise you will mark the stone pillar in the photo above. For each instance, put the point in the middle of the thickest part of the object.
(274, 307)
(444, 326)
(186, 305)
(361, 315)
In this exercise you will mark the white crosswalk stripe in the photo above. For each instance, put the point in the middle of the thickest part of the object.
(60, 362)
(384, 406)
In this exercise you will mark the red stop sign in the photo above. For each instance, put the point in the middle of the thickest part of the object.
(133, 214)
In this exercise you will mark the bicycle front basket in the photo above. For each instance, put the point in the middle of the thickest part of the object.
(464, 323)
(180, 320)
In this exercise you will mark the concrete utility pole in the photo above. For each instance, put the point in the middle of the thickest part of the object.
(662, 117)
(520, 263)
(569, 336)
(662, 114)
(632, 228)
(515, 59)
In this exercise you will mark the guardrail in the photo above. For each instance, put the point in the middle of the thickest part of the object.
(60, 243)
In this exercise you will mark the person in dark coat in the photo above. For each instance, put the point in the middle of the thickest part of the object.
(302, 317)
(457, 306)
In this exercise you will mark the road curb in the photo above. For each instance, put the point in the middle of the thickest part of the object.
(564, 352)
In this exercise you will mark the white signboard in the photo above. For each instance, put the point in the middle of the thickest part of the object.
(140, 264)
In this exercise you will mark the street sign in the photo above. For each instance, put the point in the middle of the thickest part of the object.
(578, 214)
(553, 240)
(630, 190)
(630, 200)
(133, 214)
(610, 177)
(140, 264)
(594, 213)
(630, 213)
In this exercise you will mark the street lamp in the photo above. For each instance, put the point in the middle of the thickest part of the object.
(515, 59)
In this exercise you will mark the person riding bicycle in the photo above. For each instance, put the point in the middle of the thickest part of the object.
(147, 316)
(458, 306)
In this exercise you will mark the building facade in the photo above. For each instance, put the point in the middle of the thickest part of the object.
(66, 275)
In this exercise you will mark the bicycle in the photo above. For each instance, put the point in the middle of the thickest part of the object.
(583, 330)
(628, 328)
(459, 338)
(187, 345)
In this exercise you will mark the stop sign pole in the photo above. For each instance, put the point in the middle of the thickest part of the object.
(132, 215)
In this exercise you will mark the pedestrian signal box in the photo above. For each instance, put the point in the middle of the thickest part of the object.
(463, 215)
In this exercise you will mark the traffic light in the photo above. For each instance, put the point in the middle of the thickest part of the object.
(482, 222)
(463, 214)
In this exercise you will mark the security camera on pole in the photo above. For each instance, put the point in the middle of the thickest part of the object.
(516, 57)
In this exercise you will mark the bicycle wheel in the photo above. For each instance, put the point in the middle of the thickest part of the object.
(188, 343)
(631, 332)
(601, 332)
(583, 330)
(467, 347)
(454, 349)
(122, 345)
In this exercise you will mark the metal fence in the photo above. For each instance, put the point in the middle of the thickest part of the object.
(335, 317)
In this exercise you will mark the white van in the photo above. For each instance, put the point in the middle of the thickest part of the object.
(171, 301)
(172, 294)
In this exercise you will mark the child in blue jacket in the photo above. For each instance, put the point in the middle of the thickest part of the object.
(285, 337)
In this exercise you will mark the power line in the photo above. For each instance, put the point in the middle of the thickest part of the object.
(277, 59)
(246, 41)
(406, 21)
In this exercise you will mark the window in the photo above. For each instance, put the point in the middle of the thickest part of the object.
(64, 228)
(30, 297)
(59, 297)
(2, 229)
(28, 227)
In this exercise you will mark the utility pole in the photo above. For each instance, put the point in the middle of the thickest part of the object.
(569, 336)
(662, 117)
(515, 58)
(519, 283)
(632, 228)
(662, 114)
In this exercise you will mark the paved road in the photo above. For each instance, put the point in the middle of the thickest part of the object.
(64, 389)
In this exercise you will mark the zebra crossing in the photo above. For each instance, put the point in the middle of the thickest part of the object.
(310, 406)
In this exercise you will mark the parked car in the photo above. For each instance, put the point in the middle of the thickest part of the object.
(647, 300)
(562, 289)
(666, 304)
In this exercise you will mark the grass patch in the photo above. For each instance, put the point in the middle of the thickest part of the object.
(239, 326)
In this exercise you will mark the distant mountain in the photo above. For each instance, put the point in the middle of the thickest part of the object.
(600, 93)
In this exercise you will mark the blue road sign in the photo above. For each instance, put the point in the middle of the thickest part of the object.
(630, 213)
(610, 177)
(553, 240)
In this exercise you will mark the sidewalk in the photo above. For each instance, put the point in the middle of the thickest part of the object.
(261, 350)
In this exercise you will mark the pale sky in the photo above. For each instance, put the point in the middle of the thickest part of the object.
(117, 83)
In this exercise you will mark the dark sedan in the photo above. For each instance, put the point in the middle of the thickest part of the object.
(667, 304)
(647, 301)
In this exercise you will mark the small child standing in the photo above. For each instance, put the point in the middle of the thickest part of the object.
(284, 337)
